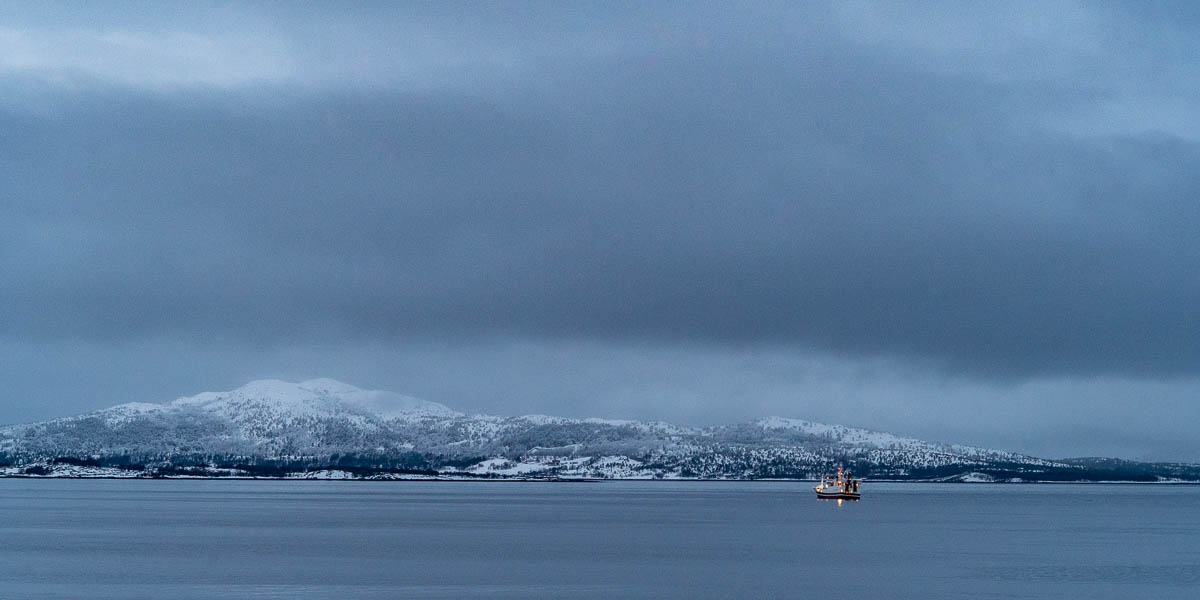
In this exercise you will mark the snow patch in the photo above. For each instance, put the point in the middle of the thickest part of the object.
(975, 477)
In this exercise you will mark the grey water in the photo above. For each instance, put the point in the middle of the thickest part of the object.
(349, 540)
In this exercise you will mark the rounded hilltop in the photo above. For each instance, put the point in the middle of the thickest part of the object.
(320, 395)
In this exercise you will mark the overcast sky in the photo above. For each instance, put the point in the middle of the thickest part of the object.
(976, 223)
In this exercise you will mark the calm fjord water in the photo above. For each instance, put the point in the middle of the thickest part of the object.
(271, 539)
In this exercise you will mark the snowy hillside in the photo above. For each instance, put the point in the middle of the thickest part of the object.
(317, 425)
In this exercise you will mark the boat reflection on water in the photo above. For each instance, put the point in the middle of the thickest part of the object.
(839, 488)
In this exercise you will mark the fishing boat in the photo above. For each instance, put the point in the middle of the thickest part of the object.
(841, 487)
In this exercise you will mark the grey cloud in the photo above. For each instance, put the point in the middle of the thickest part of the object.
(1008, 204)
(826, 202)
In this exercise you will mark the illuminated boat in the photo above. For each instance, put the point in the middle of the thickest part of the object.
(842, 487)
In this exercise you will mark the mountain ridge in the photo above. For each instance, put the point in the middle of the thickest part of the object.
(325, 425)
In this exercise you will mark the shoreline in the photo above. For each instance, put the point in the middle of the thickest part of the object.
(452, 479)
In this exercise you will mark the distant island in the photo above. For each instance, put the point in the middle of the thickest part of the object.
(325, 429)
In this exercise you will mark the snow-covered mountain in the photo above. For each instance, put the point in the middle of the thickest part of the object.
(322, 423)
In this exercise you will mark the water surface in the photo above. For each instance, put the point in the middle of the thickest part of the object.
(296, 539)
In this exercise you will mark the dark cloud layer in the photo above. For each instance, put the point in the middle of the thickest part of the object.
(980, 199)
(718, 199)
